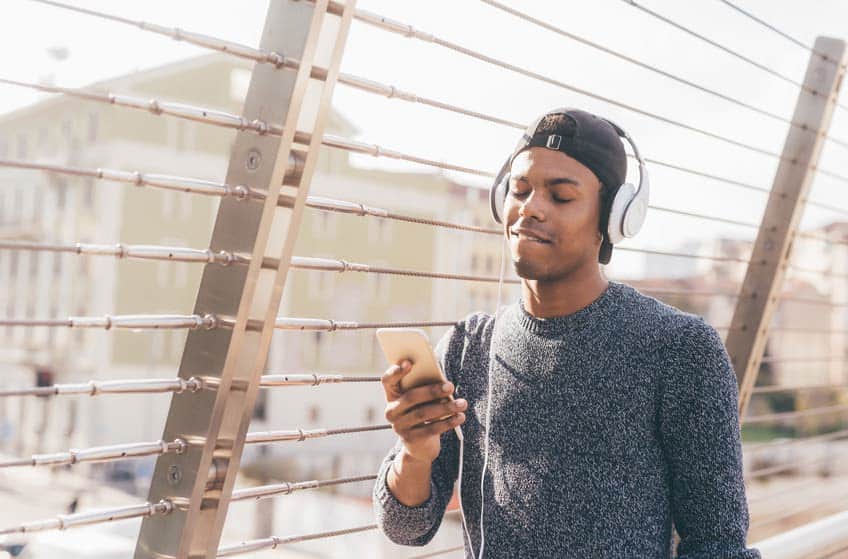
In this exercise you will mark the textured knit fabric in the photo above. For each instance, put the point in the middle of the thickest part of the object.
(608, 424)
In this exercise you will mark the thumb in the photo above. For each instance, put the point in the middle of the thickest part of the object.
(392, 377)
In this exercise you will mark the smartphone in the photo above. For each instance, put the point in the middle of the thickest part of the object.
(412, 343)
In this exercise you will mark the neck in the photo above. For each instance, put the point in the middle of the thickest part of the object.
(546, 299)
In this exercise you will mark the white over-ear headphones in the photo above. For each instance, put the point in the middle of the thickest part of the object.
(627, 210)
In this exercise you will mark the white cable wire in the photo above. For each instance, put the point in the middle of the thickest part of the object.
(459, 486)
(488, 423)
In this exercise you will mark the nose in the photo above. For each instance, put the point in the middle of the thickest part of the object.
(532, 205)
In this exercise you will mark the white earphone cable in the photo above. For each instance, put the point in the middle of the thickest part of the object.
(488, 424)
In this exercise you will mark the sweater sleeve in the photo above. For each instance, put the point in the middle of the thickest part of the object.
(698, 421)
(417, 525)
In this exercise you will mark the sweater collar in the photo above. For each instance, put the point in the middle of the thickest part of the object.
(558, 325)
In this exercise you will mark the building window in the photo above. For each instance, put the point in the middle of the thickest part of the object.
(260, 408)
(319, 336)
(30, 308)
(93, 121)
(61, 194)
(23, 147)
(37, 205)
(157, 344)
(178, 339)
(378, 350)
(180, 134)
(370, 414)
(324, 225)
(67, 131)
(379, 284)
(162, 273)
(185, 206)
(320, 284)
(42, 139)
(168, 204)
(33, 265)
(488, 302)
(313, 414)
(180, 273)
(80, 336)
(379, 230)
(88, 197)
(18, 207)
(43, 377)
(82, 268)
(180, 141)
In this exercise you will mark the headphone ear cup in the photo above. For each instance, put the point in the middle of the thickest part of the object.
(634, 216)
(497, 194)
(637, 211)
(618, 209)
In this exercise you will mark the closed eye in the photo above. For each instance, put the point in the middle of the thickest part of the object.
(523, 194)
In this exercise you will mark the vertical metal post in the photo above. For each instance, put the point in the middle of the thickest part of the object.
(243, 301)
(763, 282)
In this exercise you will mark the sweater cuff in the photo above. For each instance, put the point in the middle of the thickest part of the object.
(396, 513)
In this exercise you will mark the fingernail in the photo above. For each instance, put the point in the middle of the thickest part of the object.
(446, 387)
(406, 364)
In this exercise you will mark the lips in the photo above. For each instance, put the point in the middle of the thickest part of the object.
(532, 235)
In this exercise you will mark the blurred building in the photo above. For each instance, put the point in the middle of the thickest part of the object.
(47, 207)
(808, 338)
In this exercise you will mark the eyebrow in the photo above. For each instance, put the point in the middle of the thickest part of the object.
(554, 181)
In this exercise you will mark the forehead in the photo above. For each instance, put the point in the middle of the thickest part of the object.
(545, 163)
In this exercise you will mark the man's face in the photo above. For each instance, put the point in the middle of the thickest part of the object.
(557, 198)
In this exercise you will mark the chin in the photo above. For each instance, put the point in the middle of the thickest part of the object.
(541, 271)
(530, 270)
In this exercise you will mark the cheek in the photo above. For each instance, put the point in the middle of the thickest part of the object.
(579, 221)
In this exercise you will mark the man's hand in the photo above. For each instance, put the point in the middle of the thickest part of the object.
(415, 413)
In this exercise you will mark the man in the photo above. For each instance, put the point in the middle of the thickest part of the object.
(613, 416)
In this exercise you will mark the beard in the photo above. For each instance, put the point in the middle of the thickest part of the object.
(552, 268)
(543, 271)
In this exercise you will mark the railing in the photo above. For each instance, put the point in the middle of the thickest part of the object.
(265, 196)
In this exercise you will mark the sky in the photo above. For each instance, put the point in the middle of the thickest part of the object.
(96, 49)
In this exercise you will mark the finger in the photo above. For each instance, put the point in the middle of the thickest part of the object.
(391, 378)
(439, 401)
(435, 428)
(428, 413)
(423, 394)
(400, 404)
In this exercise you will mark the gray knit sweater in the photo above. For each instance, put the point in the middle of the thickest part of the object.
(608, 424)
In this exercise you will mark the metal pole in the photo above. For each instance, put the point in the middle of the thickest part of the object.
(816, 539)
(764, 277)
(199, 481)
